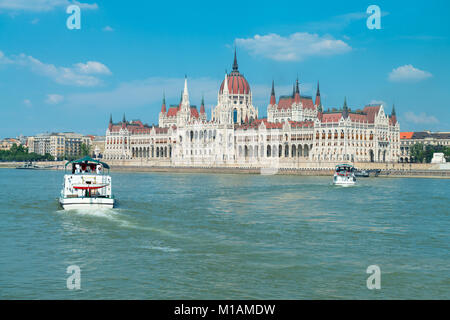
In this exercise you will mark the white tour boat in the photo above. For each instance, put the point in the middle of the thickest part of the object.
(87, 186)
(344, 175)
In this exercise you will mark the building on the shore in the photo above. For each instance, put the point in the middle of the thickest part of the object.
(7, 143)
(59, 145)
(296, 129)
(408, 139)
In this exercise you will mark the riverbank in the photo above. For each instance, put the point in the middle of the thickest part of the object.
(416, 170)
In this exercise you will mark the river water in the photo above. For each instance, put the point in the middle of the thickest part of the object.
(226, 236)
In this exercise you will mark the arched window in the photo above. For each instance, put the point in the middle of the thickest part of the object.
(235, 115)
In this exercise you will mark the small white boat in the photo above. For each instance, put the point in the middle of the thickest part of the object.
(344, 175)
(88, 186)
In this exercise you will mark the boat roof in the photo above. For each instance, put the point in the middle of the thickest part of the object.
(344, 165)
(88, 159)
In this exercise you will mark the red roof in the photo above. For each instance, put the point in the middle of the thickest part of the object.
(358, 117)
(287, 102)
(406, 135)
(194, 112)
(172, 112)
(371, 112)
(237, 84)
(331, 117)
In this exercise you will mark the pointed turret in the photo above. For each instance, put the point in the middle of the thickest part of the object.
(297, 92)
(293, 90)
(318, 101)
(163, 107)
(110, 121)
(124, 121)
(202, 107)
(185, 97)
(345, 109)
(273, 100)
(225, 85)
(235, 64)
(393, 115)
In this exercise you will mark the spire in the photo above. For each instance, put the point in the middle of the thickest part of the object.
(124, 121)
(393, 115)
(235, 64)
(273, 100)
(110, 118)
(345, 109)
(293, 90)
(163, 107)
(297, 92)
(202, 107)
(185, 97)
(318, 101)
(225, 84)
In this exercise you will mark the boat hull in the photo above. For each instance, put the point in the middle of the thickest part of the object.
(86, 203)
(344, 181)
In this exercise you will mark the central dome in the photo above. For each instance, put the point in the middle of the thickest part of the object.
(237, 84)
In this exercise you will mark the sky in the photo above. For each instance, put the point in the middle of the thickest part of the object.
(127, 54)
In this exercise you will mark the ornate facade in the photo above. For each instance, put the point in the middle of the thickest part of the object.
(296, 129)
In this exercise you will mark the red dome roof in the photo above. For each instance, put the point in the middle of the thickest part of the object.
(237, 84)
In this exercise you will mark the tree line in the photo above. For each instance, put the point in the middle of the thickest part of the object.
(20, 153)
(424, 153)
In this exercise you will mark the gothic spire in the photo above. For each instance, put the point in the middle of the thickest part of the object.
(123, 119)
(110, 118)
(273, 100)
(318, 100)
(235, 64)
(345, 109)
(393, 110)
(202, 107)
(297, 92)
(163, 107)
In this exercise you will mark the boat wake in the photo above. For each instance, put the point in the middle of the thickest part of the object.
(159, 247)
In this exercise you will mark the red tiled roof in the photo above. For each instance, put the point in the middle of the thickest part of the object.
(331, 117)
(286, 103)
(406, 135)
(237, 84)
(194, 112)
(371, 112)
(172, 112)
(358, 117)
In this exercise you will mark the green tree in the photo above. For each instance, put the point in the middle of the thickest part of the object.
(85, 150)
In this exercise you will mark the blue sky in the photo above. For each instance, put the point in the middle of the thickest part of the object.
(128, 52)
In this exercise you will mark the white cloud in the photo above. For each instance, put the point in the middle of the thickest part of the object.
(149, 92)
(375, 101)
(92, 67)
(145, 92)
(81, 74)
(108, 28)
(41, 5)
(294, 47)
(408, 73)
(27, 102)
(54, 98)
(421, 118)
